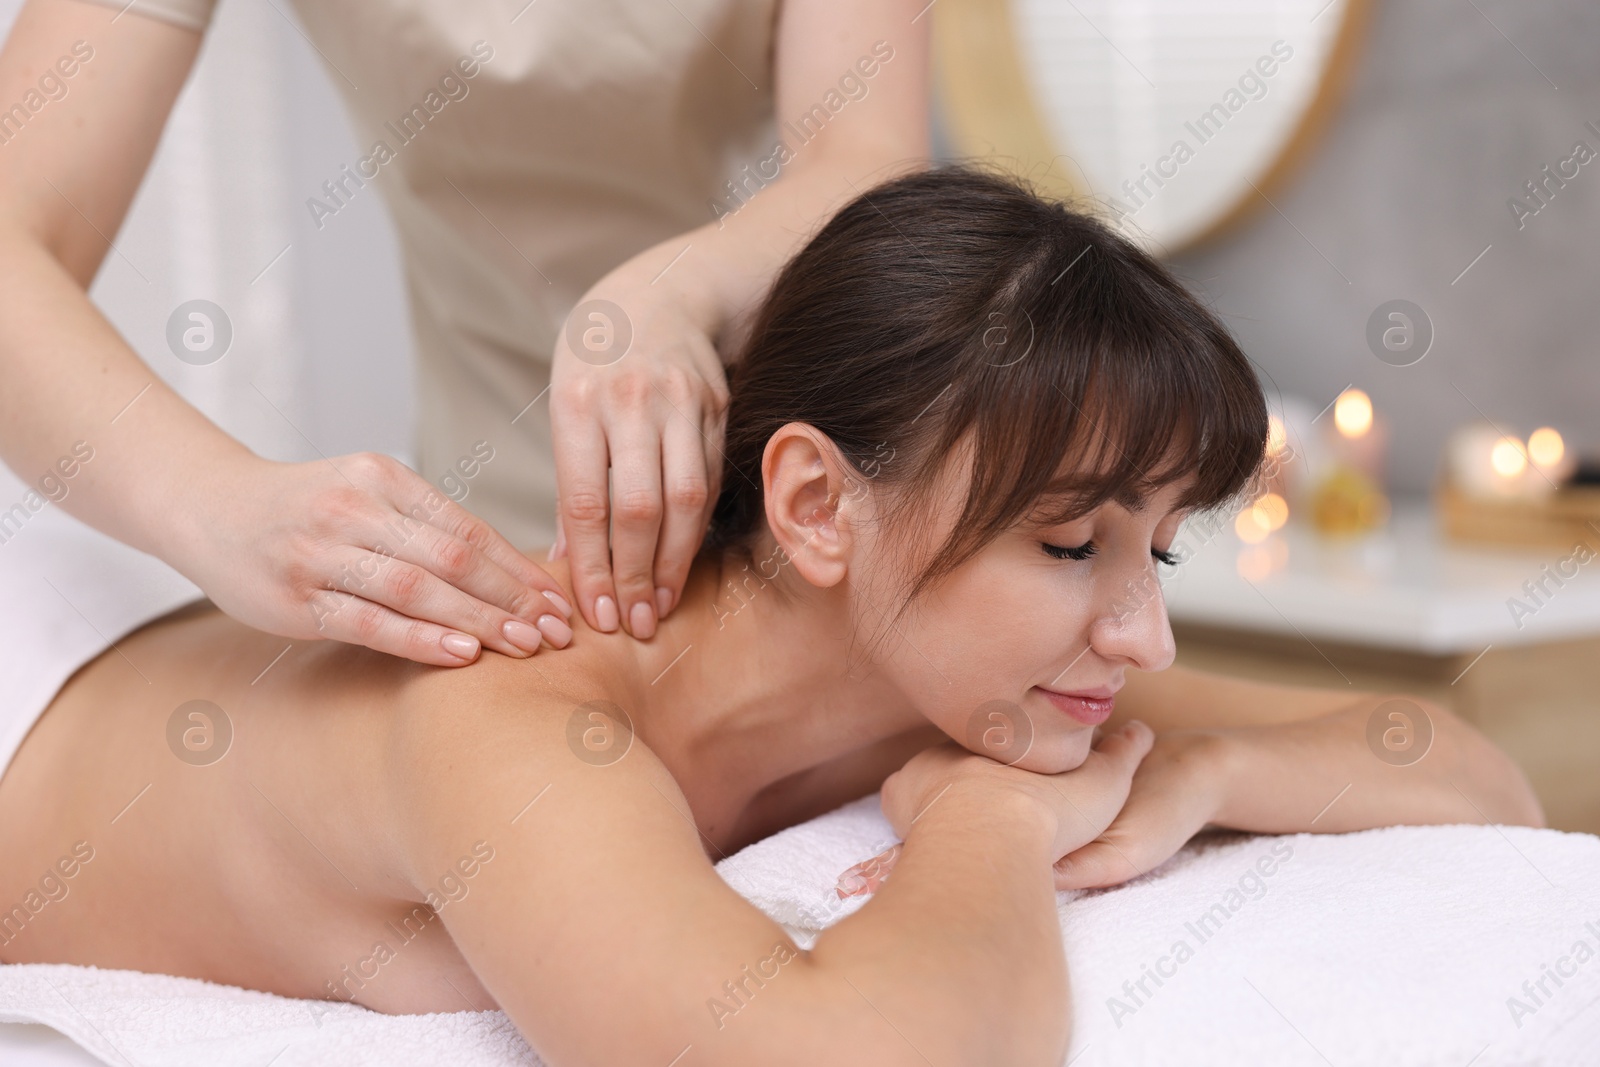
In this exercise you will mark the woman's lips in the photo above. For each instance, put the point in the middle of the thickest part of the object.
(1091, 708)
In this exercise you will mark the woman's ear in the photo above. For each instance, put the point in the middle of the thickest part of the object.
(811, 498)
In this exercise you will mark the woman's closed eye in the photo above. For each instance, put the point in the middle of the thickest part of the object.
(1087, 549)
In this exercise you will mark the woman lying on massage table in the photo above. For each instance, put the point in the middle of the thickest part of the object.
(966, 426)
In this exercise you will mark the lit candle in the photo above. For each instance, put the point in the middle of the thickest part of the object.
(1471, 461)
(1552, 463)
(1360, 435)
(1486, 462)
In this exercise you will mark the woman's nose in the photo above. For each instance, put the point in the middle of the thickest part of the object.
(1132, 625)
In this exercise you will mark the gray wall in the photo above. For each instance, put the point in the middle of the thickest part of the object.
(1444, 120)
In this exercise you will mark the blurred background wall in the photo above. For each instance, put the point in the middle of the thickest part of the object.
(1453, 106)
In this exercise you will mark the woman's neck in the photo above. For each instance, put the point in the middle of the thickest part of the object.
(754, 677)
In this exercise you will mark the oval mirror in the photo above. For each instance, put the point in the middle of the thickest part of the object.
(1179, 116)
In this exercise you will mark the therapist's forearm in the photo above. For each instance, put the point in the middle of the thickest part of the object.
(65, 189)
(851, 89)
(721, 270)
(69, 378)
(742, 256)
(1323, 774)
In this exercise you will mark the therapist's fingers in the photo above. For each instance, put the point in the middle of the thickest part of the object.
(585, 507)
(346, 617)
(461, 622)
(635, 444)
(467, 590)
(485, 551)
(688, 494)
(559, 549)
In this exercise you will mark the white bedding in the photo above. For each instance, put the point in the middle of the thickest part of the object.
(66, 592)
(1400, 946)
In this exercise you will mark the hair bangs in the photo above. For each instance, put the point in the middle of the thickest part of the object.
(1124, 386)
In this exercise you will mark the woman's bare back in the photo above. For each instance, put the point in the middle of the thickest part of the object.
(227, 817)
(222, 798)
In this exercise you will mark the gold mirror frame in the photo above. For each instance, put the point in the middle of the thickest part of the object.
(990, 111)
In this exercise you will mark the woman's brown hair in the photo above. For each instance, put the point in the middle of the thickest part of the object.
(956, 301)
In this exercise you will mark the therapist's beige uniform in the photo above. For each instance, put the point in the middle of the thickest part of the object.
(595, 129)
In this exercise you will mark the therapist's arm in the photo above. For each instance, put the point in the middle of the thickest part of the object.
(852, 77)
(314, 550)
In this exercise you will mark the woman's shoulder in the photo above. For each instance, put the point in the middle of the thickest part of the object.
(552, 705)
(549, 677)
(482, 746)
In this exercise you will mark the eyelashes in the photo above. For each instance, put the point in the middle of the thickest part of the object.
(1087, 549)
(1080, 552)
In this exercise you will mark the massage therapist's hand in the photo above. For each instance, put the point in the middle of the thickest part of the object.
(636, 386)
(1084, 800)
(1176, 793)
(362, 549)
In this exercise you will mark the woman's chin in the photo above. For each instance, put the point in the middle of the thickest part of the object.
(1058, 754)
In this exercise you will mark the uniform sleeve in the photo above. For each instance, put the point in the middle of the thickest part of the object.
(190, 14)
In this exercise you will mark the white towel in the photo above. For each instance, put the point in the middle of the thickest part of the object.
(67, 592)
(1401, 946)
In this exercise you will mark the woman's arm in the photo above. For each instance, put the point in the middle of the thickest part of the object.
(1180, 697)
(1380, 760)
(288, 548)
(852, 109)
(1406, 760)
(1283, 759)
(602, 929)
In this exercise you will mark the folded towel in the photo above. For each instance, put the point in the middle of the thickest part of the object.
(1443, 945)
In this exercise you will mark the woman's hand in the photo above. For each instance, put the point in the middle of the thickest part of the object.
(1176, 792)
(362, 549)
(1084, 800)
(637, 387)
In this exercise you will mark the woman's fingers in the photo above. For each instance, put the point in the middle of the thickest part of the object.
(1111, 763)
(582, 460)
(635, 443)
(1101, 863)
(1087, 800)
(1127, 745)
(1170, 800)
(1094, 792)
(868, 875)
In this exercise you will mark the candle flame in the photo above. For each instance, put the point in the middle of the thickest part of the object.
(1352, 413)
(1546, 447)
(1508, 457)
